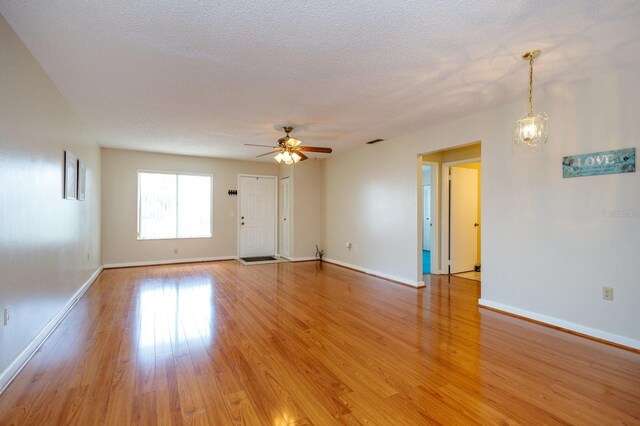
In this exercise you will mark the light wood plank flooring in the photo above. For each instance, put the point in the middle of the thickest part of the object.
(305, 343)
(471, 275)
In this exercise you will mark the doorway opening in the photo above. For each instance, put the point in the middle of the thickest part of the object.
(429, 171)
(464, 216)
(450, 212)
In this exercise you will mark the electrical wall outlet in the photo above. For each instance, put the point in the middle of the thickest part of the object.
(6, 315)
(349, 246)
(607, 293)
(175, 251)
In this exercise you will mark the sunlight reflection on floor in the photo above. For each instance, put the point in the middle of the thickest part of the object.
(174, 312)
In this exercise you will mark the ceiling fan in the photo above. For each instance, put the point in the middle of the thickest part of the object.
(289, 149)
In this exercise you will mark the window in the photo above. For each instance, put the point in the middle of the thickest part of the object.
(173, 205)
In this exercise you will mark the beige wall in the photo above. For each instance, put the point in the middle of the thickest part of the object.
(49, 246)
(119, 206)
(308, 207)
(307, 200)
(548, 244)
(371, 202)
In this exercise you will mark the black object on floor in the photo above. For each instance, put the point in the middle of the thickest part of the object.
(258, 258)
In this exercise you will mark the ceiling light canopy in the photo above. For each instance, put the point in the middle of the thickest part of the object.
(288, 140)
(531, 129)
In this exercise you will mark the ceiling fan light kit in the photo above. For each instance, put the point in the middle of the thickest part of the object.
(289, 150)
(287, 157)
(531, 130)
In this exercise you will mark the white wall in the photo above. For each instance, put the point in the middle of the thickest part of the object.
(547, 246)
(49, 246)
(371, 202)
(119, 206)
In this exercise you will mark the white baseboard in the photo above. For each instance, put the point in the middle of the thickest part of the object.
(167, 262)
(297, 259)
(412, 283)
(21, 360)
(567, 325)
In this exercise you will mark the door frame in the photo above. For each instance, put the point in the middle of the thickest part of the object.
(444, 261)
(275, 207)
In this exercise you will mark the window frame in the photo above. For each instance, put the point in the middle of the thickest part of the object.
(176, 174)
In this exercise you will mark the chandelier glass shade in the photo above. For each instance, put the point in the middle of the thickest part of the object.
(287, 156)
(531, 129)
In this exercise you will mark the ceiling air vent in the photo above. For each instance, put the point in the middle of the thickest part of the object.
(374, 141)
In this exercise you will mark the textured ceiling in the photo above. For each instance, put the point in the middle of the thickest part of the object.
(204, 77)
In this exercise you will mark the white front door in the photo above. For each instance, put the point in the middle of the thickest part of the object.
(257, 198)
(284, 222)
(464, 216)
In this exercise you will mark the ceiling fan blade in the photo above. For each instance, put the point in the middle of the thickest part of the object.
(302, 156)
(315, 149)
(266, 146)
(267, 153)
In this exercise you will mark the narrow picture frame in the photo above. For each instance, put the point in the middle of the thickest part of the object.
(82, 180)
(70, 175)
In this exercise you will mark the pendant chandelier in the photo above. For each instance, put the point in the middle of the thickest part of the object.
(531, 130)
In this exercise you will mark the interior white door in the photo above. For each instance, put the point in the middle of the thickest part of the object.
(463, 212)
(284, 221)
(426, 214)
(257, 198)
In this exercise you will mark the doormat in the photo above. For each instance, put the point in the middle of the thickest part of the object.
(258, 259)
(261, 260)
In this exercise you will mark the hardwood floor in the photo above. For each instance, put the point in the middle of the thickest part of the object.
(471, 275)
(304, 343)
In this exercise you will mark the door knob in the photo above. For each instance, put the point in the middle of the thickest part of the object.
(476, 224)
(242, 217)
(241, 223)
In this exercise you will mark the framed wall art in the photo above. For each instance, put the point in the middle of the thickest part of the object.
(82, 179)
(599, 163)
(70, 176)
